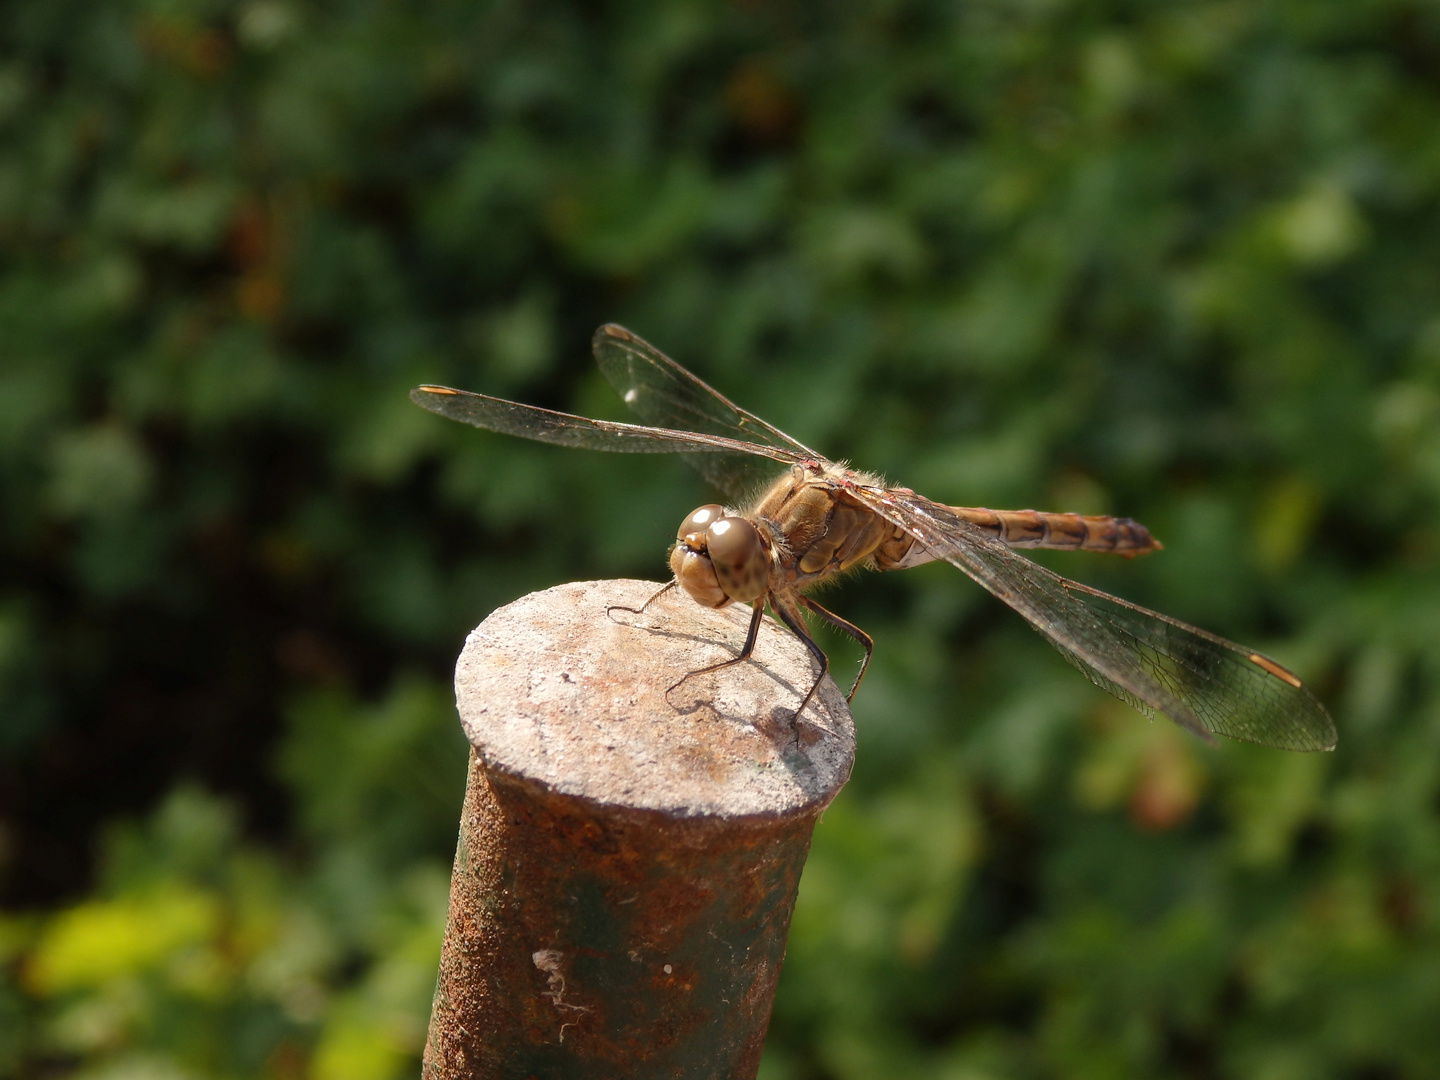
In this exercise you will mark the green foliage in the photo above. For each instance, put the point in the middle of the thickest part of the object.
(199, 955)
(1175, 261)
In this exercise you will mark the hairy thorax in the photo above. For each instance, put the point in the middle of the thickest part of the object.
(820, 529)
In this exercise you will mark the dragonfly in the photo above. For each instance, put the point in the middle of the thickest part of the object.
(820, 518)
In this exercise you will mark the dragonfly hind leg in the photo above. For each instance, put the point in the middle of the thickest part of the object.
(845, 626)
(791, 618)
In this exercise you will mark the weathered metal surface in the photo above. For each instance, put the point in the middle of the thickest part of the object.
(627, 863)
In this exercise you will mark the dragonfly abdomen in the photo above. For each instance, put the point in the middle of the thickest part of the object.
(1038, 529)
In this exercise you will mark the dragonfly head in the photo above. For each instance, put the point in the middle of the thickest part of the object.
(717, 558)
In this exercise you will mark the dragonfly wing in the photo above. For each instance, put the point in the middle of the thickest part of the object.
(1207, 685)
(662, 392)
(565, 429)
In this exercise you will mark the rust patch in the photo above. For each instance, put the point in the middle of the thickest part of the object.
(582, 938)
(626, 870)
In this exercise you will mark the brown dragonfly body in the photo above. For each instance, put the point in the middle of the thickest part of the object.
(813, 524)
(821, 518)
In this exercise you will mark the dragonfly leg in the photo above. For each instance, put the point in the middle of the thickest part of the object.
(791, 618)
(745, 652)
(641, 609)
(845, 626)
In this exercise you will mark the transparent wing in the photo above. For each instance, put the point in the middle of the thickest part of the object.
(1154, 663)
(565, 429)
(662, 392)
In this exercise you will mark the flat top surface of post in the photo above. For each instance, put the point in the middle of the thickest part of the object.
(552, 689)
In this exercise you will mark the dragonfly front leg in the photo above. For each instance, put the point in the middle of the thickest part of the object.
(758, 609)
(641, 609)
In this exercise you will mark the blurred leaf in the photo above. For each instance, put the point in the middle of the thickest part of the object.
(95, 943)
(99, 472)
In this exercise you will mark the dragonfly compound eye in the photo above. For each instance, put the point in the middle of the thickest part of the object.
(738, 557)
(700, 520)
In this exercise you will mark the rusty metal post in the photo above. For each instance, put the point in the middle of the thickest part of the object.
(627, 863)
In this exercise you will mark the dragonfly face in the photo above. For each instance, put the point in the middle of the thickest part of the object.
(820, 518)
(719, 558)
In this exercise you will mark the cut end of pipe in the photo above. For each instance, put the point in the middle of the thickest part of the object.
(563, 689)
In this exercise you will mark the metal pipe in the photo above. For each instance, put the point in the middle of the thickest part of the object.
(628, 859)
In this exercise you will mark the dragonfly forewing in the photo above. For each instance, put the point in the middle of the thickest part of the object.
(566, 429)
(661, 392)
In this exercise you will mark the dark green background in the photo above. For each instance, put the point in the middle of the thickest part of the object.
(1179, 261)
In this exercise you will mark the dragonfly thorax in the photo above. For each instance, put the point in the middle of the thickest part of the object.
(718, 558)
